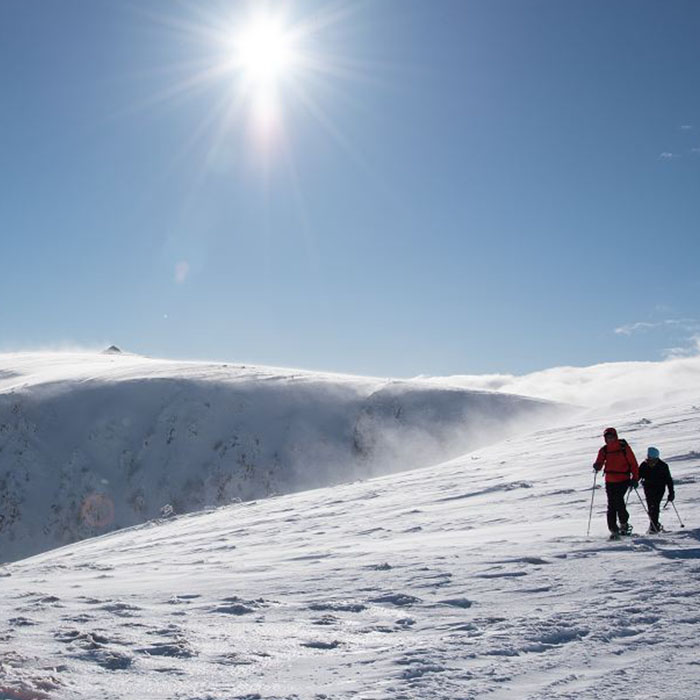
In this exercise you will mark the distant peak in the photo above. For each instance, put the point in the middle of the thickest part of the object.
(112, 350)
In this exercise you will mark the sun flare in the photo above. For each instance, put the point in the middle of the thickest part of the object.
(264, 51)
(275, 65)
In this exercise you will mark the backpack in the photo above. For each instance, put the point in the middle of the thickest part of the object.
(623, 445)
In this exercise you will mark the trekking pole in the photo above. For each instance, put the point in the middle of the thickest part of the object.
(676, 509)
(642, 502)
(590, 513)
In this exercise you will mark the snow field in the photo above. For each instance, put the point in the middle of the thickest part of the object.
(470, 579)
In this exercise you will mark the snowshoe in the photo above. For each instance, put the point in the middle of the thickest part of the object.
(626, 529)
(614, 536)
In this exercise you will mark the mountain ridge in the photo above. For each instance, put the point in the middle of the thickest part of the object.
(92, 442)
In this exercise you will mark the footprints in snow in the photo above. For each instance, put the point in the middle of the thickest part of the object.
(95, 647)
(237, 606)
(117, 635)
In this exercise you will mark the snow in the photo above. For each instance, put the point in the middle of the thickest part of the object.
(469, 578)
(93, 442)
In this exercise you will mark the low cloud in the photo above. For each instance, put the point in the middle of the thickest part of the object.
(631, 328)
(688, 346)
(686, 127)
(59, 346)
(667, 155)
(617, 385)
(621, 385)
(689, 325)
(691, 349)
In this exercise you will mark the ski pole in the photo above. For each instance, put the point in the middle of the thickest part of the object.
(676, 509)
(590, 513)
(642, 502)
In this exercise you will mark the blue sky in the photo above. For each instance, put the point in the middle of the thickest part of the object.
(455, 187)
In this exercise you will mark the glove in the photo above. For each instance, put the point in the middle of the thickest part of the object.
(634, 483)
(596, 468)
(671, 497)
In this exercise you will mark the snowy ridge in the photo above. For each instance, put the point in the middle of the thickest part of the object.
(91, 442)
(470, 579)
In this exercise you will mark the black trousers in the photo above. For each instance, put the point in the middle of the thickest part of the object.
(616, 504)
(654, 497)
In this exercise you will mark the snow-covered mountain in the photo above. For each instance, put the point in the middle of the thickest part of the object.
(91, 442)
(469, 579)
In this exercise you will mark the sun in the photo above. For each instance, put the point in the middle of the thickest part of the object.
(263, 56)
(275, 65)
(264, 51)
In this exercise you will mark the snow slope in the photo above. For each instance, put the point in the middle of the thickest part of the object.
(91, 442)
(469, 579)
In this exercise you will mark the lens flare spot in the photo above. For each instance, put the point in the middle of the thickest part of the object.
(97, 510)
(182, 271)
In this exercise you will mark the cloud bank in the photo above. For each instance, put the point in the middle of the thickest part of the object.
(619, 384)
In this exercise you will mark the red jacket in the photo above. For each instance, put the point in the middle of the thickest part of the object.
(619, 460)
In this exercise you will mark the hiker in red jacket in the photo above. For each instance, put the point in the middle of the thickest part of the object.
(621, 473)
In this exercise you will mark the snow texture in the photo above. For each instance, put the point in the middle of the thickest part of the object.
(472, 578)
(95, 442)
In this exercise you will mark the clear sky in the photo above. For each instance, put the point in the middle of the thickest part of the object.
(392, 187)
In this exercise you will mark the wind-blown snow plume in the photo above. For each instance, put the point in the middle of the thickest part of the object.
(95, 442)
(621, 384)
